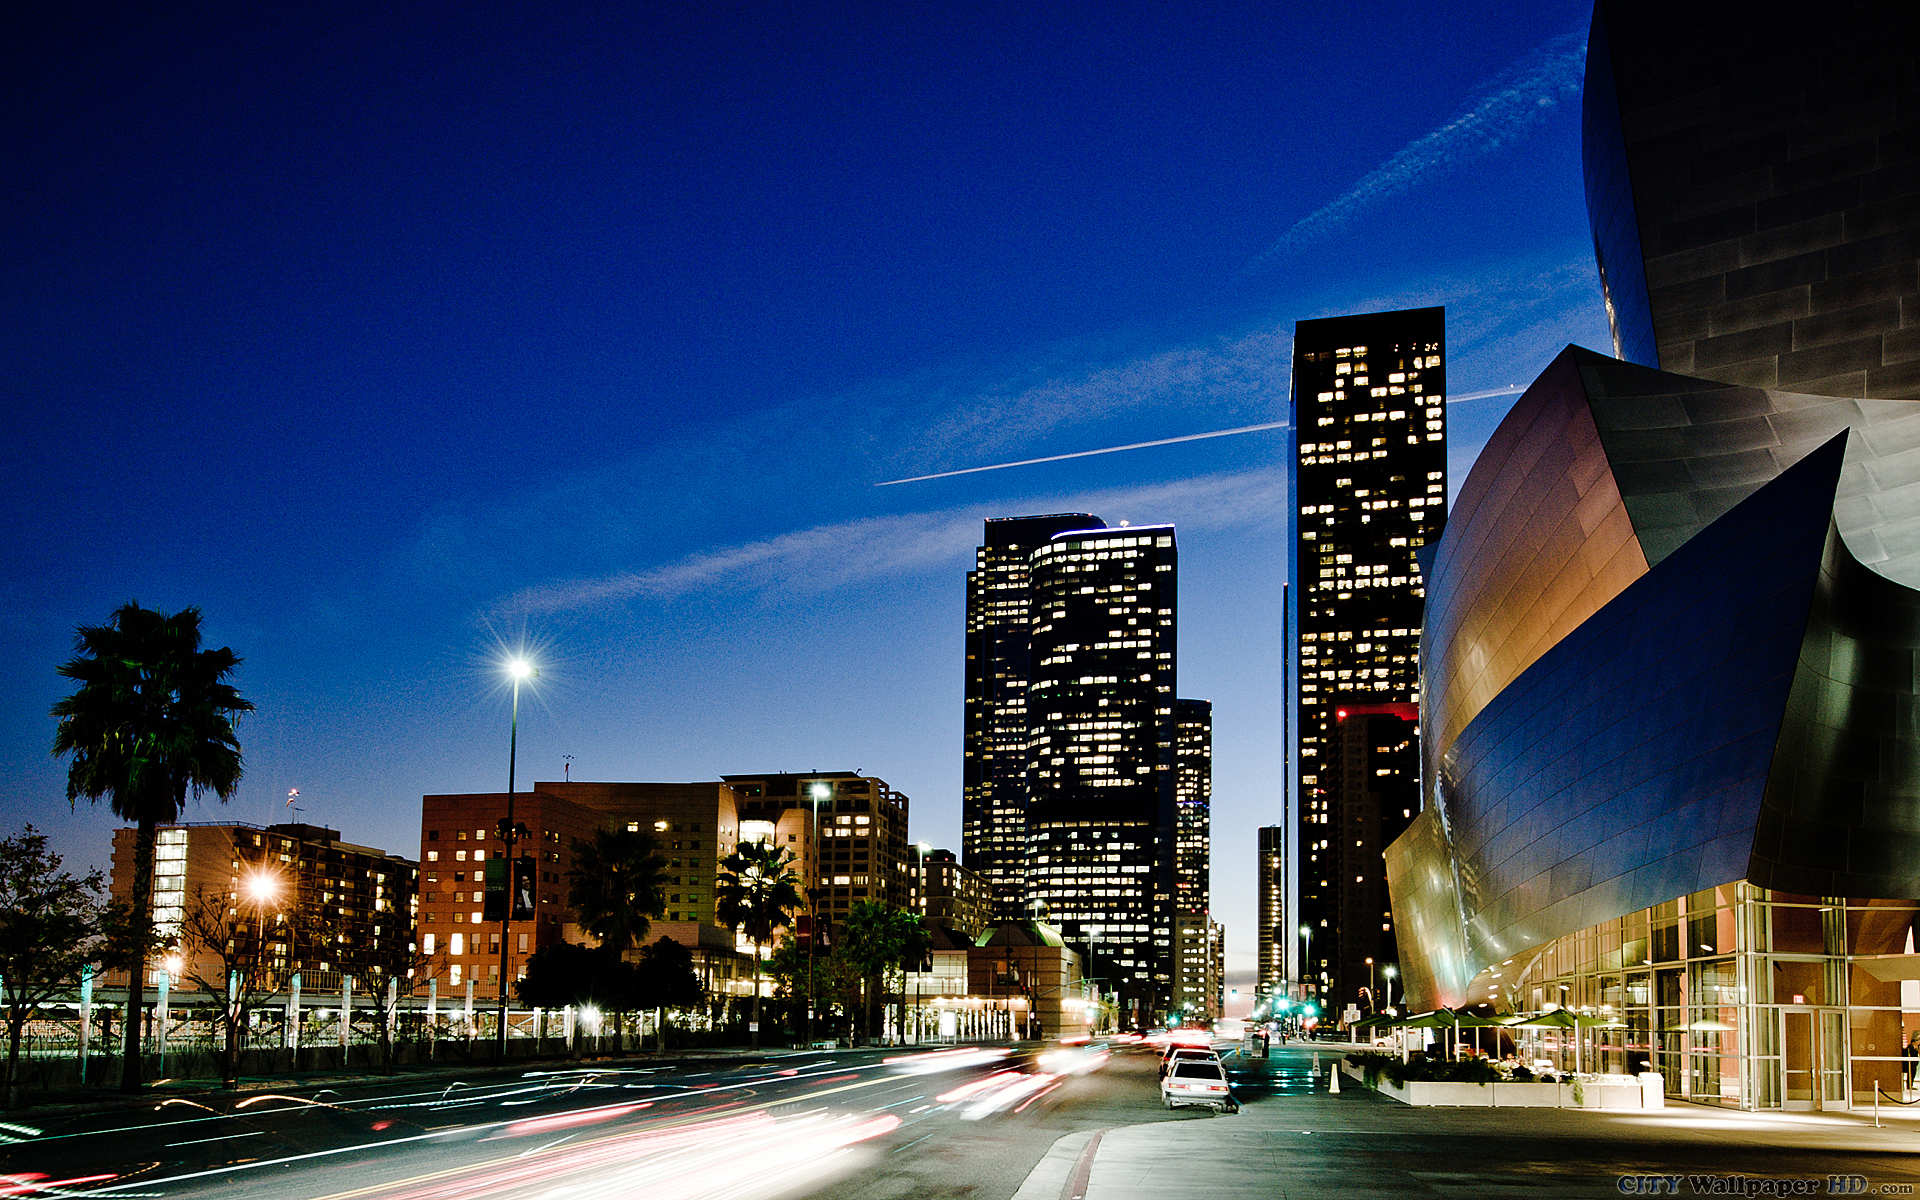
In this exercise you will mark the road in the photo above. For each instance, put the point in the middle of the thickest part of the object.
(865, 1124)
(886, 1124)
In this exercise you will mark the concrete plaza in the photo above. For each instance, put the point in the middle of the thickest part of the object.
(1294, 1140)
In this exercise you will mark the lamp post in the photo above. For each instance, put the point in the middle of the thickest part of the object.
(920, 850)
(1389, 971)
(816, 792)
(262, 887)
(1306, 953)
(1373, 986)
(519, 670)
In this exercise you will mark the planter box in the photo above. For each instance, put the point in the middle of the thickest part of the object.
(1603, 1091)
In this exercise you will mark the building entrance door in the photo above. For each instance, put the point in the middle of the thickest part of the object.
(1813, 1051)
(1799, 1060)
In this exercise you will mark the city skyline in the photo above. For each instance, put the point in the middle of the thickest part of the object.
(396, 346)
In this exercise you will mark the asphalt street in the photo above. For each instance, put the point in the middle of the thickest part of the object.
(879, 1123)
(982, 1123)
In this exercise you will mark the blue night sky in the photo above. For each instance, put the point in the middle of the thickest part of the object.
(393, 339)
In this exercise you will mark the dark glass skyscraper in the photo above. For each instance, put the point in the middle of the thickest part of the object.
(1101, 758)
(993, 839)
(1375, 773)
(1369, 490)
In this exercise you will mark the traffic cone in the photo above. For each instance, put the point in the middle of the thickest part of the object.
(1333, 1084)
(1316, 1066)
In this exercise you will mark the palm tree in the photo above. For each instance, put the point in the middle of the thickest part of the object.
(756, 894)
(617, 886)
(151, 721)
(880, 940)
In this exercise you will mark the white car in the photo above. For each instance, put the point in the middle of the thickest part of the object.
(1197, 1081)
(1176, 1053)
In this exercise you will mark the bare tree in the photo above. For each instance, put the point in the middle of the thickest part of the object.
(52, 925)
(229, 953)
(385, 971)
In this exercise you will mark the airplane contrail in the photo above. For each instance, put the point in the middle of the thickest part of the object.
(1172, 441)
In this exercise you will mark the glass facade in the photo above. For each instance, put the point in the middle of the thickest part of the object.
(1738, 995)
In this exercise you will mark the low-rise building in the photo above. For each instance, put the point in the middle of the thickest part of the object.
(950, 894)
(861, 835)
(313, 903)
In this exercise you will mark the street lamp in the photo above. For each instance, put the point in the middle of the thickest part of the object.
(519, 670)
(263, 887)
(1306, 951)
(920, 850)
(1373, 987)
(1389, 971)
(816, 792)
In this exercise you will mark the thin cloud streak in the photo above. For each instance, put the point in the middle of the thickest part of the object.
(1509, 105)
(1510, 390)
(1219, 375)
(829, 556)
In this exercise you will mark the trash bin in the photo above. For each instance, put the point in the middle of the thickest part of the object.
(1653, 1090)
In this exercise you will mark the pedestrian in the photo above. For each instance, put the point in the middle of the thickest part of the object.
(1909, 1059)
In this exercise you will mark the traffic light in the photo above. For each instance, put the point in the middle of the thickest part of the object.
(803, 931)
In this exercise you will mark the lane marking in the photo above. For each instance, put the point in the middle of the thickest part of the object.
(225, 1137)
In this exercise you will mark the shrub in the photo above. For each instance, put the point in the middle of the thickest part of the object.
(1422, 1069)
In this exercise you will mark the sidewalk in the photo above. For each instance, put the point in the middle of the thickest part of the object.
(1359, 1143)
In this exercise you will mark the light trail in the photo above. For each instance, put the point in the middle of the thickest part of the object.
(492, 1127)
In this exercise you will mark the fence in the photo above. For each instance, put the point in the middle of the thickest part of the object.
(278, 1039)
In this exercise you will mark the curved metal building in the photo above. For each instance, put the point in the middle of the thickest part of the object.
(1671, 644)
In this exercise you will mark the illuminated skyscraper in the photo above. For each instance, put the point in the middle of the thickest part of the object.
(1274, 933)
(1369, 490)
(1101, 763)
(1192, 848)
(993, 838)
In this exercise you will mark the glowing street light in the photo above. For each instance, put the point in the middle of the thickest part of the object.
(263, 888)
(519, 670)
(1306, 949)
(816, 792)
(1389, 971)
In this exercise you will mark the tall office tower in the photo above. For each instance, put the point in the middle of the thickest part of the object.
(1100, 708)
(1375, 769)
(1369, 490)
(993, 836)
(1192, 850)
(1273, 934)
(1752, 188)
(1193, 801)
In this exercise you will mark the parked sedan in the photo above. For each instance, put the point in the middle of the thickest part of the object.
(1176, 1054)
(1197, 1081)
